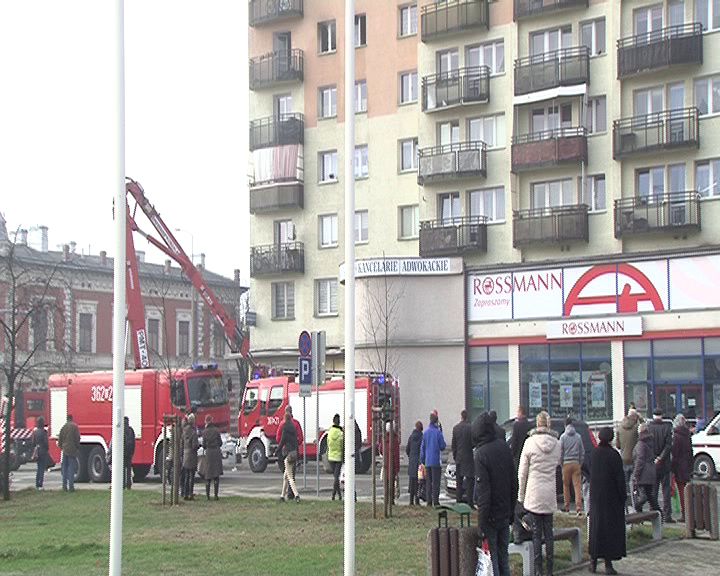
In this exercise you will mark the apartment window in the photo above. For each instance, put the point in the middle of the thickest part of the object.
(408, 154)
(488, 129)
(408, 20)
(707, 178)
(283, 300)
(360, 30)
(326, 37)
(360, 161)
(361, 226)
(648, 19)
(86, 331)
(327, 165)
(648, 101)
(448, 132)
(183, 343)
(360, 96)
(153, 335)
(491, 55)
(676, 12)
(39, 326)
(650, 183)
(707, 95)
(218, 340)
(408, 87)
(447, 61)
(707, 12)
(596, 118)
(593, 193)
(592, 35)
(326, 297)
(328, 230)
(553, 194)
(328, 102)
(409, 221)
(550, 40)
(489, 202)
(449, 206)
(283, 231)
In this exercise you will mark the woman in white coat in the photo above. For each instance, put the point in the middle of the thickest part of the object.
(536, 478)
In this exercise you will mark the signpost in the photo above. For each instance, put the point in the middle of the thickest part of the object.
(305, 372)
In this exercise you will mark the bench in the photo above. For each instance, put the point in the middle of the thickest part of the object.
(463, 510)
(651, 516)
(526, 550)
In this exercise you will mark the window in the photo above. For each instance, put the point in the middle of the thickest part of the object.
(408, 20)
(707, 178)
(326, 37)
(360, 162)
(550, 40)
(447, 61)
(596, 115)
(218, 340)
(409, 217)
(648, 19)
(488, 129)
(408, 87)
(489, 202)
(183, 343)
(707, 95)
(546, 120)
(651, 183)
(328, 230)
(283, 300)
(327, 166)
(328, 102)
(489, 382)
(326, 297)
(360, 30)
(361, 226)
(39, 327)
(449, 206)
(491, 55)
(448, 132)
(592, 35)
(86, 333)
(593, 194)
(153, 335)
(283, 104)
(553, 194)
(676, 12)
(408, 154)
(283, 231)
(707, 12)
(676, 178)
(360, 96)
(648, 101)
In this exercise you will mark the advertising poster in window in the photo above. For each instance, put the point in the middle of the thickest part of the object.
(597, 384)
(640, 397)
(566, 396)
(537, 381)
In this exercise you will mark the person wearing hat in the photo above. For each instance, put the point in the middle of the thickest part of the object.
(644, 474)
(212, 443)
(661, 433)
(190, 445)
(627, 437)
(433, 443)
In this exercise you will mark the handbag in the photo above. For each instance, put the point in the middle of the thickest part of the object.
(484, 563)
(421, 472)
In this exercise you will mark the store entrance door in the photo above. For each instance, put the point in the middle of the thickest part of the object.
(679, 397)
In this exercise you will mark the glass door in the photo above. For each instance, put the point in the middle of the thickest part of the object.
(667, 399)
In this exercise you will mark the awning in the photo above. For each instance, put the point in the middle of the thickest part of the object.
(550, 94)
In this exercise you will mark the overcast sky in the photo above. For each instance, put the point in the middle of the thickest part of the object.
(186, 121)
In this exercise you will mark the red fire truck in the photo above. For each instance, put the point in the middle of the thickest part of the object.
(263, 408)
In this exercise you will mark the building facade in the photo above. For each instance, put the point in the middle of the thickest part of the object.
(562, 153)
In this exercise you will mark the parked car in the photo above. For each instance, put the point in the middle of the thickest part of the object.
(706, 450)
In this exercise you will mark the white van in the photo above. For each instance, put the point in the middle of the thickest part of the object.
(706, 449)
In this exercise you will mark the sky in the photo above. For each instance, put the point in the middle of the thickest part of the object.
(186, 122)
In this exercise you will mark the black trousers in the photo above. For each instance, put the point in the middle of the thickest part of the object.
(543, 532)
(337, 467)
(187, 486)
(216, 486)
(127, 475)
(465, 489)
(432, 485)
(413, 489)
(664, 481)
(498, 541)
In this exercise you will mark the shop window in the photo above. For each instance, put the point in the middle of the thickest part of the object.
(680, 347)
(489, 381)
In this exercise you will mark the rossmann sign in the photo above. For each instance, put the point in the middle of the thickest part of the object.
(627, 287)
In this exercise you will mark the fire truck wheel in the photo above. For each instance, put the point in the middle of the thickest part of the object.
(140, 472)
(98, 470)
(256, 456)
(82, 469)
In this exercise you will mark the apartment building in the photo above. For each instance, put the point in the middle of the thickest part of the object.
(564, 185)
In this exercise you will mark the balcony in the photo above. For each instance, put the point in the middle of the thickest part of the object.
(263, 12)
(549, 148)
(682, 44)
(276, 68)
(566, 67)
(456, 88)
(677, 211)
(453, 236)
(529, 8)
(461, 160)
(550, 225)
(277, 259)
(277, 130)
(277, 179)
(440, 19)
(655, 132)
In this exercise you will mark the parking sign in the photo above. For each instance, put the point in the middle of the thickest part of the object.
(305, 371)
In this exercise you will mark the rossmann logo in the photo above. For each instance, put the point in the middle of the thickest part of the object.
(509, 283)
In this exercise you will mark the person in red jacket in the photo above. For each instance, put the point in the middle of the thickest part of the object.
(300, 438)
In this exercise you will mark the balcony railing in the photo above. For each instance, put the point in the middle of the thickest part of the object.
(681, 44)
(277, 259)
(658, 131)
(547, 225)
(462, 86)
(277, 179)
(276, 68)
(277, 131)
(442, 18)
(268, 11)
(528, 8)
(461, 160)
(677, 211)
(453, 236)
(565, 67)
(549, 148)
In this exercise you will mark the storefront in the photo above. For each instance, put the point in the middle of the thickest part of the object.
(589, 339)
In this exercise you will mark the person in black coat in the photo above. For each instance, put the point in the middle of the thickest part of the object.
(40, 440)
(462, 450)
(644, 474)
(412, 449)
(607, 508)
(128, 453)
(662, 442)
(520, 430)
(496, 489)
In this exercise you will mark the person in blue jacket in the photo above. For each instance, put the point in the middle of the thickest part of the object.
(433, 443)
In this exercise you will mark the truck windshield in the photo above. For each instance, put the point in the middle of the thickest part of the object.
(206, 391)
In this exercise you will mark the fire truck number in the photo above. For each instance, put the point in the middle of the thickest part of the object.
(273, 421)
(101, 394)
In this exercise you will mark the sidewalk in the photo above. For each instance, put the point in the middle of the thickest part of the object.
(698, 556)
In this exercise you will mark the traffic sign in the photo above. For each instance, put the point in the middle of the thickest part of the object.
(305, 344)
(305, 371)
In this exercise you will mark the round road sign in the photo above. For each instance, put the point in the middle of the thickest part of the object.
(305, 344)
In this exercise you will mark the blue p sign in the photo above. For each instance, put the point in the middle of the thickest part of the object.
(305, 369)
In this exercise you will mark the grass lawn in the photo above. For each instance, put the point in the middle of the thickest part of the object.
(59, 534)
